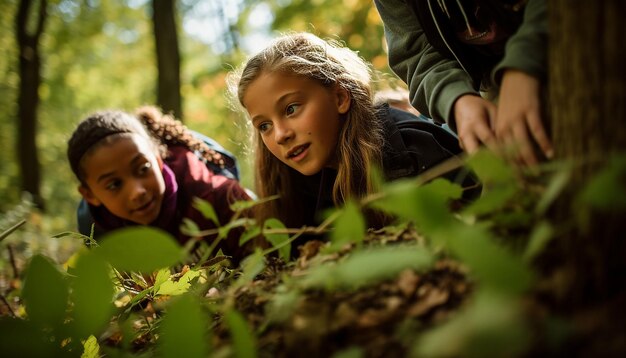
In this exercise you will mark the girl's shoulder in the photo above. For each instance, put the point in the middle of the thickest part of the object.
(413, 144)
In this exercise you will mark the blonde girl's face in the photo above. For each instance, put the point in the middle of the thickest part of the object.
(125, 176)
(297, 118)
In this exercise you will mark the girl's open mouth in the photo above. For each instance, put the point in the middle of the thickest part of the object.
(299, 152)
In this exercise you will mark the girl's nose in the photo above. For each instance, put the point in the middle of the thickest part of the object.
(138, 191)
(282, 133)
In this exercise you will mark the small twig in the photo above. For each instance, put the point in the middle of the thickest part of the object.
(8, 305)
(16, 273)
(11, 229)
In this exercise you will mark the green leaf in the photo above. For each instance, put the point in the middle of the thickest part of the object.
(426, 205)
(92, 295)
(224, 230)
(189, 228)
(352, 352)
(45, 292)
(491, 200)
(491, 168)
(557, 183)
(491, 326)
(92, 348)
(206, 209)
(249, 234)
(22, 338)
(243, 339)
(368, 267)
(278, 239)
(607, 189)
(247, 204)
(282, 304)
(349, 227)
(143, 249)
(162, 276)
(539, 238)
(183, 330)
(494, 266)
(252, 265)
(179, 287)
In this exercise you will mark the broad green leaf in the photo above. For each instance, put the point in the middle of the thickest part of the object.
(251, 266)
(92, 295)
(368, 267)
(426, 205)
(143, 249)
(179, 287)
(92, 348)
(492, 199)
(183, 330)
(278, 239)
(189, 228)
(491, 326)
(493, 265)
(224, 230)
(162, 276)
(607, 189)
(22, 338)
(555, 187)
(352, 352)
(243, 339)
(206, 209)
(282, 304)
(249, 234)
(349, 227)
(45, 292)
(539, 238)
(491, 168)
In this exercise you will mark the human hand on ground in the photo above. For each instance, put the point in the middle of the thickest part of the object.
(474, 117)
(518, 122)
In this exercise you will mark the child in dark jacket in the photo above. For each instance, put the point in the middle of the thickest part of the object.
(461, 57)
(318, 133)
(145, 170)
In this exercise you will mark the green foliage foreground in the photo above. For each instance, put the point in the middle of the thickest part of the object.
(100, 304)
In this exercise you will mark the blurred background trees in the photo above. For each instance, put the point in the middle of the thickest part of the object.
(97, 54)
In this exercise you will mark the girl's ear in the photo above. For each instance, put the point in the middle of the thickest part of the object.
(88, 195)
(343, 99)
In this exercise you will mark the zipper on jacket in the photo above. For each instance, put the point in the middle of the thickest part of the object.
(432, 14)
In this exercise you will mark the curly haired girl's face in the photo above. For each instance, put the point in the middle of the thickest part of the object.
(125, 176)
(298, 119)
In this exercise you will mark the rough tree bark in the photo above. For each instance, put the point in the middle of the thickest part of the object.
(587, 89)
(168, 57)
(28, 96)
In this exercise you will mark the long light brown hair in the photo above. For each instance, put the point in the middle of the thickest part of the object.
(360, 143)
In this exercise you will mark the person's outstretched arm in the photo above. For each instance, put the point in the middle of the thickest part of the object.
(439, 87)
(522, 73)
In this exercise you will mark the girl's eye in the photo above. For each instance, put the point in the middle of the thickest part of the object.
(145, 167)
(264, 127)
(291, 109)
(114, 185)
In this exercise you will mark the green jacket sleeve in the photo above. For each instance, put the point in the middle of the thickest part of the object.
(434, 81)
(526, 49)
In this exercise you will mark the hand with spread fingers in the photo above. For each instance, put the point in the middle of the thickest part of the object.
(474, 118)
(518, 125)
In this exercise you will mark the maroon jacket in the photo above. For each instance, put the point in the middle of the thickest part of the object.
(186, 177)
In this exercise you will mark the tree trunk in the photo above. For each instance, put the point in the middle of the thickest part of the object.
(28, 96)
(168, 57)
(587, 89)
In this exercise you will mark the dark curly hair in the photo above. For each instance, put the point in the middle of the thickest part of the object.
(163, 130)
